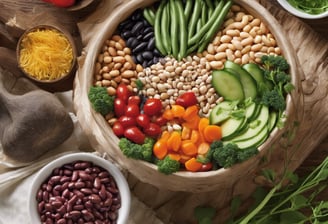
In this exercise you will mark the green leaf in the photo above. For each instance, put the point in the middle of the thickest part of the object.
(269, 174)
(293, 178)
(299, 201)
(292, 217)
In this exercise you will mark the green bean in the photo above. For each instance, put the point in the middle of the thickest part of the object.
(188, 9)
(157, 29)
(208, 25)
(204, 14)
(183, 30)
(194, 18)
(149, 15)
(209, 3)
(174, 30)
(165, 26)
(215, 27)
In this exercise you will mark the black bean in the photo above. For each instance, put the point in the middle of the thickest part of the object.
(140, 59)
(126, 34)
(151, 44)
(137, 28)
(148, 36)
(136, 15)
(140, 47)
(148, 55)
(148, 29)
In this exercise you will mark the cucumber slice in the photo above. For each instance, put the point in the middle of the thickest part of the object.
(222, 112)
(272, 120)
(257, 73)
(260, 123)
(232, 126)
(248, 82)
(254, 142)
(251, 110)
(227, 85)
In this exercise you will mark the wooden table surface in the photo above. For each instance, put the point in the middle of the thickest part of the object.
(312, 30)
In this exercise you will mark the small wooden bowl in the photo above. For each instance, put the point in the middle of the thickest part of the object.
(62, 83)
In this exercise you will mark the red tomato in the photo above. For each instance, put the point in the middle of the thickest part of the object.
(153, 130)
(118, 129)
(132, 110)
(206, 167)
(61, 3)
(143, 120)
(134, 100)
(123, 92)
(119, 107)
(126, 121)
(135, 135)
(187, 99)
(152, 107)
(161, 121)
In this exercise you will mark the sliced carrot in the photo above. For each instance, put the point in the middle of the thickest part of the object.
(212, 133)
(165, 136)
(185, 133)
(203, 148)
(192, 124)
(194, 137)
(174, 141)
(193, 165)
(184, 158)
(178, 111)
(191, 113)
(188, 148)
(168, 114)
(160, 149)
(203, 122)
(174, 156)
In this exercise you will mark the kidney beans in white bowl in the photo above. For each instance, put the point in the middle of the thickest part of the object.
(79, 188)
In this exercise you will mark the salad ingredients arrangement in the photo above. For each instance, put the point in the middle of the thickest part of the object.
(185, 101)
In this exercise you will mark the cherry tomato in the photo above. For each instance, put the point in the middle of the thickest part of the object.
(132, 110)
(134, 100)
(119, 107)
(153, 130)
(206, 167)
(126, 121)
(152, 107)
(118, 129)
(143, 120)
(161, 121)
(123, 92)
(187, 99)
(135, 135)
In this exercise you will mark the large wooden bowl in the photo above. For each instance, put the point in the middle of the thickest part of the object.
(103, 140)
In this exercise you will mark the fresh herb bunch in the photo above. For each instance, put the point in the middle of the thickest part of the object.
(286, 204)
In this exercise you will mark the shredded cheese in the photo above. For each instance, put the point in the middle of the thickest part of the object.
(46, 54)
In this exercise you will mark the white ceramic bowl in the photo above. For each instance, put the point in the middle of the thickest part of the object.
(299, 13)
(46, 171)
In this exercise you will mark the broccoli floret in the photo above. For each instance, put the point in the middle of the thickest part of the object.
(230, 154)
(100, 100)
(136, 151)
(204, 215)
(272, 62)
(274, 99)
(168, 165)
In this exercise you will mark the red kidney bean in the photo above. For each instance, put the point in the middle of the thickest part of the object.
(79, 192)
